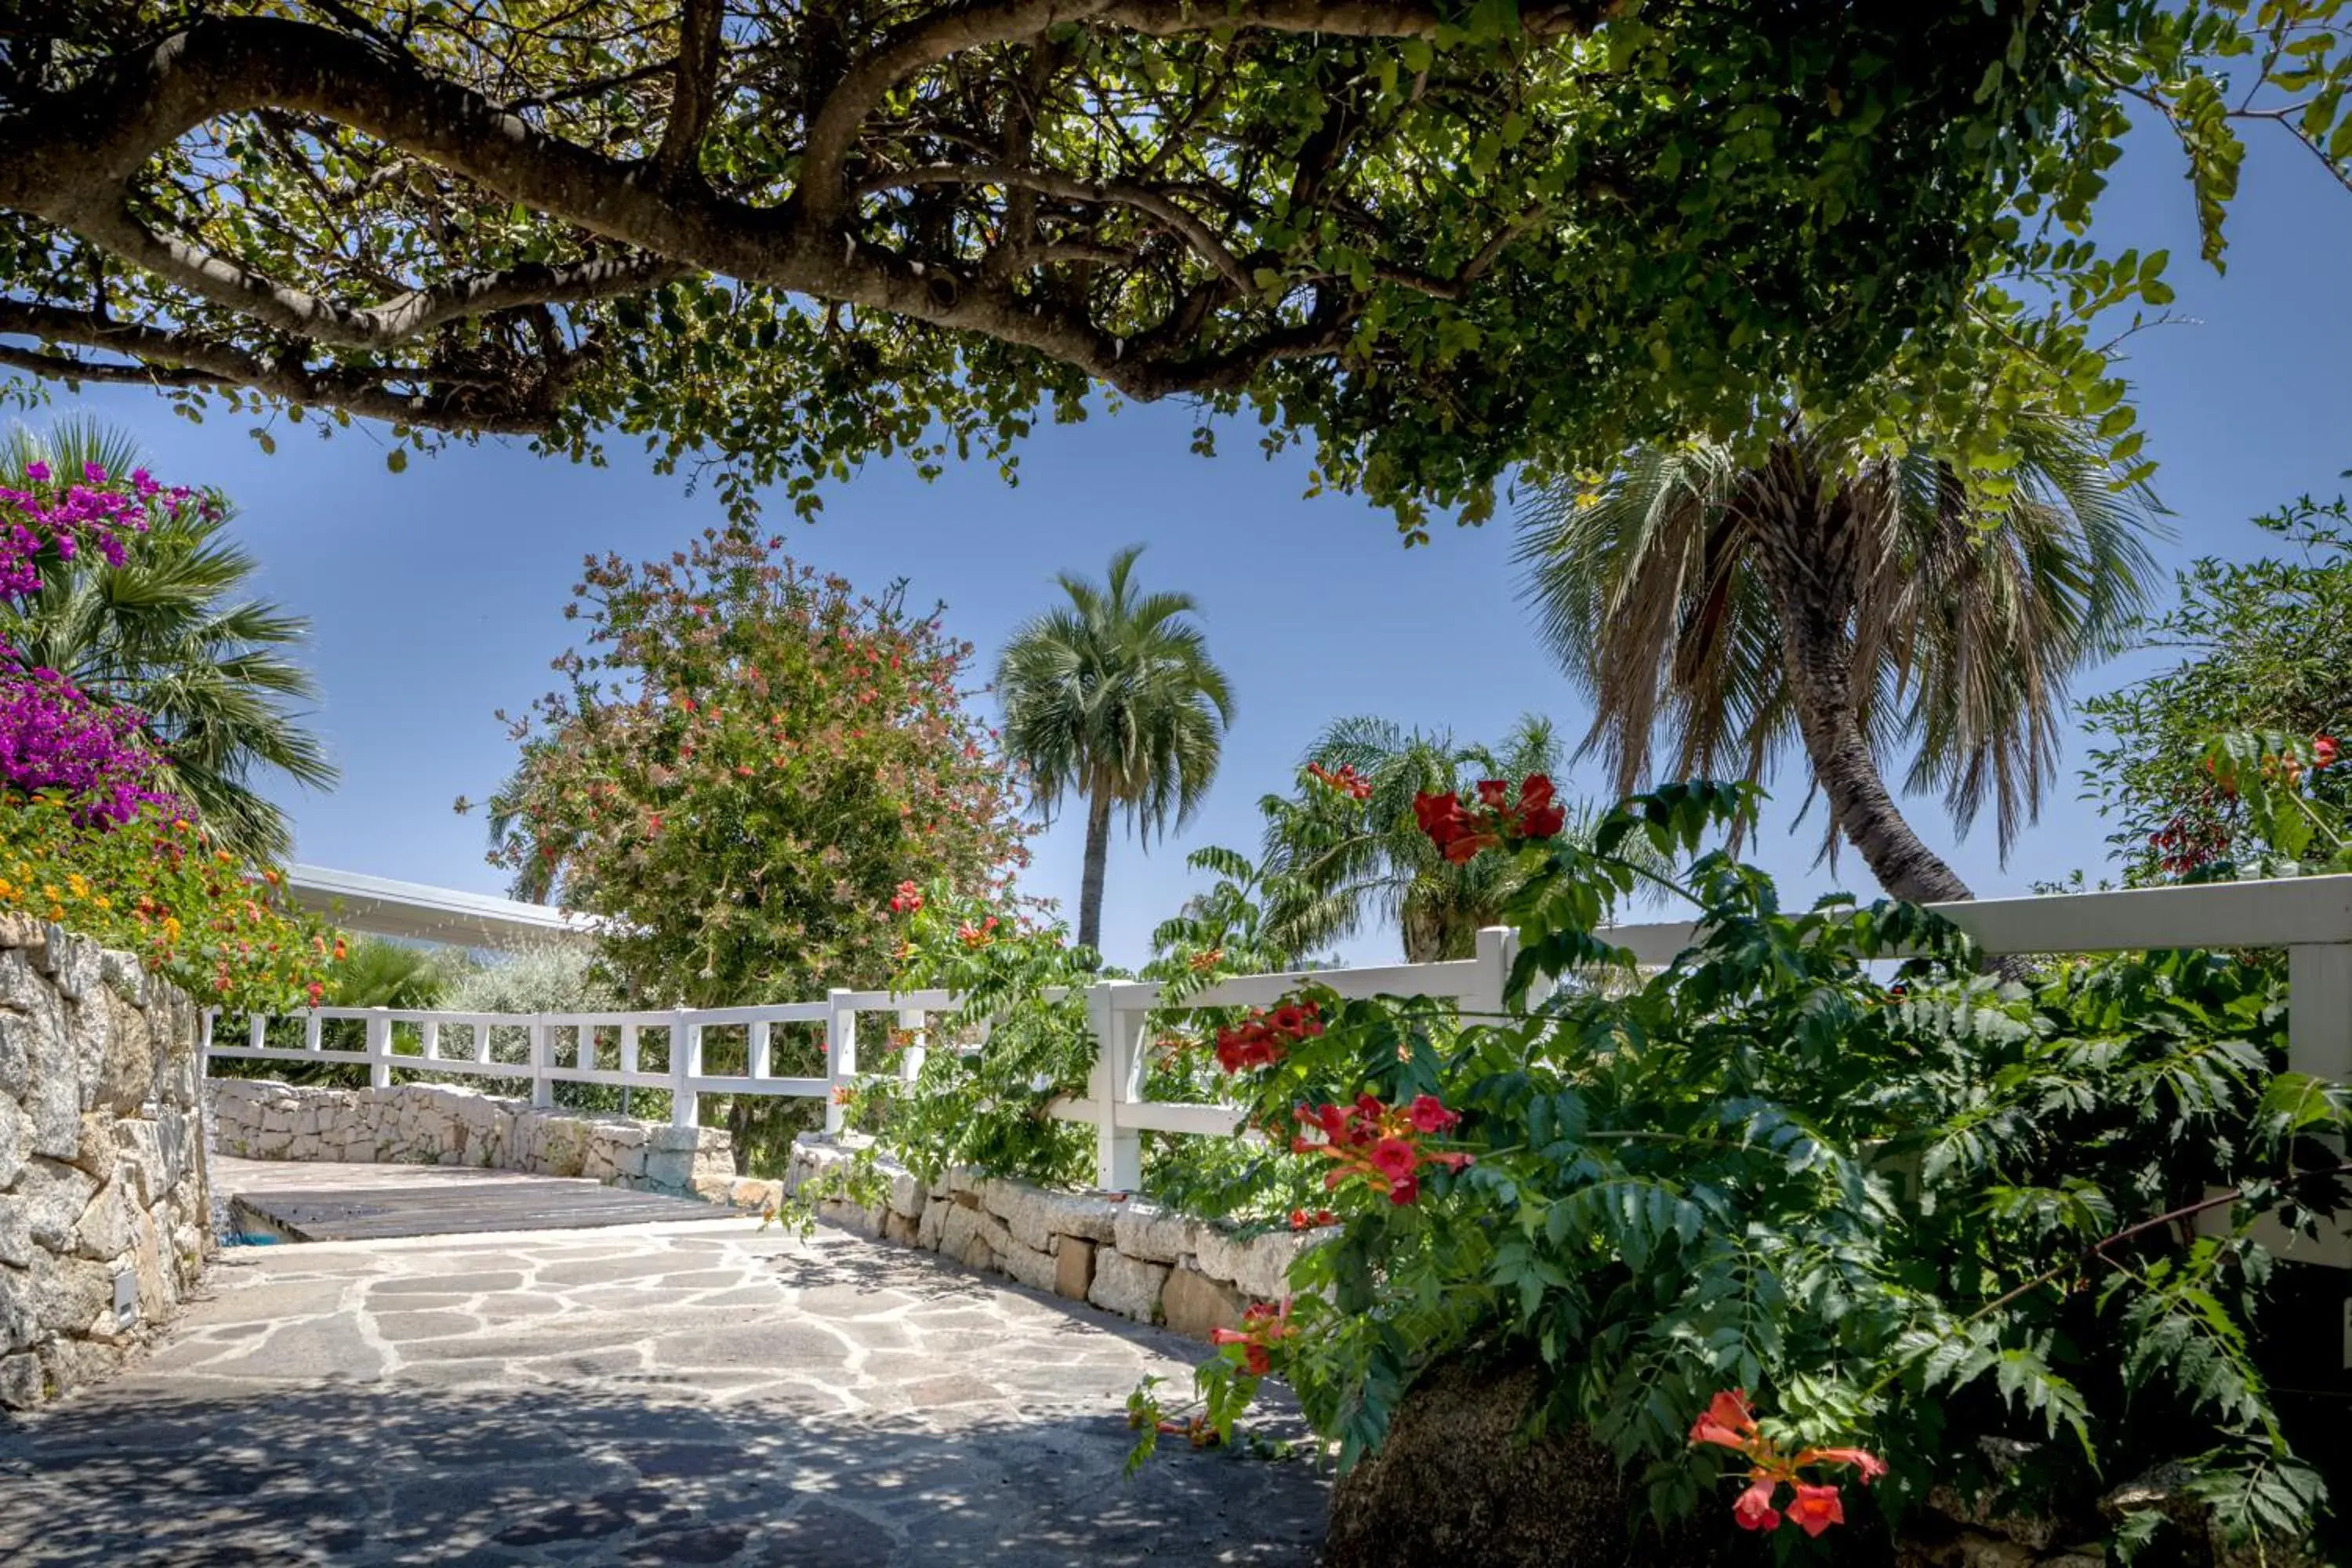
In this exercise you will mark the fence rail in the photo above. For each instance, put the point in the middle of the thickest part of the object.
(2311, 918)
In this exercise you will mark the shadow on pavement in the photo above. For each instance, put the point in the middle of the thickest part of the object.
(387, 1473)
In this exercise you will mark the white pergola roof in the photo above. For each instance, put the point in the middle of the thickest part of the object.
(417, 913)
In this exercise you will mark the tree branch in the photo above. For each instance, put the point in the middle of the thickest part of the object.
(696, 94)
(835, 129)
(394, 321)
(1062, 187)
(181, 359)
(72, 158)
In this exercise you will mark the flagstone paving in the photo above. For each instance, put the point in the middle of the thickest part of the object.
(694, 1393)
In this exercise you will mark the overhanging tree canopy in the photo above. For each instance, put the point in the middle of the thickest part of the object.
(1435, 237)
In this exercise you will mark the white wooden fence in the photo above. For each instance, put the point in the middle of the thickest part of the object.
(2311, 918)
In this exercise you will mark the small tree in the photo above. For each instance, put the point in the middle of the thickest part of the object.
(749, 759)
(2265, 646)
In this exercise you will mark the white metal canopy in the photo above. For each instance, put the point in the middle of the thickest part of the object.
(417, 913)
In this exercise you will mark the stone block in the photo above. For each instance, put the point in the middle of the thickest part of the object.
(896, 1227)
(21, 1381)
(688, 1138)
(1034, 1215)
(1192, 1304)
(104, 1229)
(749, 1193)
(934, 1221)
(907, 1194)
(1073, 1268)
(51, 1195)
(15, 1234)
(74, 964)
(68, 1363)
(958, 1228)
(1148, 1233)
(1028, 1265)
(1127, 1285)
(1258, 1266)
(16, 1141)
(667, 1170)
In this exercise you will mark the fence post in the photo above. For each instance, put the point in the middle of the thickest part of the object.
(911, 1054)
(379, 1048)
(542, 1088)
(1118, 1152)
(2319, 1042)
(2319, 1011)
(685, 1067)
(840, 1056)
(1498, 950)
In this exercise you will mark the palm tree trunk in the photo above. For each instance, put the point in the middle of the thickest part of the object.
(1809, 533)
(1090, 887)
(1821, 676)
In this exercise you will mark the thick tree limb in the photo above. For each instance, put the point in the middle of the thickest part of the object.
(696, 93)
(69, 158)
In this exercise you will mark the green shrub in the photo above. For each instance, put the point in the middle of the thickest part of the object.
(1962, 1222)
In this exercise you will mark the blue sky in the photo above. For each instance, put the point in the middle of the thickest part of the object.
(437, 593)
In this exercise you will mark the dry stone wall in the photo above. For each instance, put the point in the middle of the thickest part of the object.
(450, 1124)
(1122, 1255)
(105, 1221)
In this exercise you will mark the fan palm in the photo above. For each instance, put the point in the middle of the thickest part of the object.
(1113, 698)
(173, 634)
(1347, 864)
(1715, 610)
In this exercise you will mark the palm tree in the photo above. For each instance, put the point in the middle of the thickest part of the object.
(1113, 698)
(1715, 609)
(171, 633)
(1348, 863)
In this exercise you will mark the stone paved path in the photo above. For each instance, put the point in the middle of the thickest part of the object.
(699, 1392)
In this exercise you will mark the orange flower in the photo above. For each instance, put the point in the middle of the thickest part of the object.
(1753, 1509)
(1816, 1509)
(1728, 1421)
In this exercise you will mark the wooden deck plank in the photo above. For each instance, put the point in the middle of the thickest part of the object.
(370, 1213)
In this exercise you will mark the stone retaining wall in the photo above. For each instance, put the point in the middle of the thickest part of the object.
(105, 1221)
(1122, 1255)
(450, 1124)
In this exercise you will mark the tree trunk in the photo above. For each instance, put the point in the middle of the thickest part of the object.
(1808, 539)
(1090, 887)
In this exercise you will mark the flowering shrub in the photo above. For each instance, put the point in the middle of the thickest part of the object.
(1343, 779)
(2269, 811)
(221, 929)
(54, 739)
(1023, 983)
(749, 764)
(1729, 1422)
(86, 839)
(57, 515)
(1491, 818)
(2263, 643)
(1262, 1038)
(1384, 1145)
(1913, 1214)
